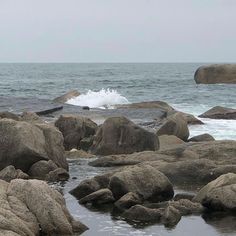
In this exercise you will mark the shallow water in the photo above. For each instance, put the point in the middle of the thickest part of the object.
(103, 222)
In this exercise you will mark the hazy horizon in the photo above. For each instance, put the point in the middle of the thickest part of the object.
(109, 31)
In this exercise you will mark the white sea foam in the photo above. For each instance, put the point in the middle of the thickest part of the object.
(105, 98)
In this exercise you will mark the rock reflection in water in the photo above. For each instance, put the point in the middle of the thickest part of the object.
(103, 221)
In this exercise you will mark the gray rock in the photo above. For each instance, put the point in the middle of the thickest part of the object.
(217, 73)
(143, 214)
(69, 95)
(171, 216)
(118, 135)
(201, 138)
(101, 196)
(145, 181)
(128, 200)
(219, 112)
(9, 173)
(219, 194)
(74, 129)
(175, 125)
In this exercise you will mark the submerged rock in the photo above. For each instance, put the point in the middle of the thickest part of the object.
(143, 214)
(22, 210)
(69, 95)
(74, 129)
(216, 74)
(118, 135)
(219, 194)
(219, 112)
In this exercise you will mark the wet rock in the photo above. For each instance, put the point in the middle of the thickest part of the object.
(74, 129)
(219, 112)
(174, 125)
(69, 95)
(128, 200)
(171, 216)
(40, 169)
(89, 186)
(219, 194)
(118, 135)
(9, 173)
(143, 214)
(201, 138)
(58, 174)
(145, 181)
(127, 159)
(101, 196)
(22, 210)
(191, 119)
(217, 73)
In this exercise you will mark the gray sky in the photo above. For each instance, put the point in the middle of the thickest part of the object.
(117, 31)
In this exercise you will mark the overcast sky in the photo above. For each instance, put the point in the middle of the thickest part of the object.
(117, 30)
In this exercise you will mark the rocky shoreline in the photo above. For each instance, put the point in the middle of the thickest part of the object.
(148, 159)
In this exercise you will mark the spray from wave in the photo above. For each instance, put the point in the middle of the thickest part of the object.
(105, 98)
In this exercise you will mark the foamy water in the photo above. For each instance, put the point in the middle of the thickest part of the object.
(105, 98)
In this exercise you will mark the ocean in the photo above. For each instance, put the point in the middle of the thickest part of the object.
(106, 84)
(33, 86)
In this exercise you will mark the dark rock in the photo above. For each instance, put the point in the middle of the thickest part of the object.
(217, 73)
(101, 196)
(9, 173)
(180, 196)
(69, 95)
(201, 138)
(171, 216)
(128, 200)
(219, 112)
(143, 214)
(118, 135)
(74, 129)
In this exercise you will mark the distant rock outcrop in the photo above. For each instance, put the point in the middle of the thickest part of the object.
(64, 98)
(216, 74)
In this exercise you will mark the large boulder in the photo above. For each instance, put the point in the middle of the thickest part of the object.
(219, 112)
(219, 194)
(216, 74)
(175, 125)
(118, 135)
(22, 210)
(67, 96)
(74, 129)
(22, 144)
(146, 181)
